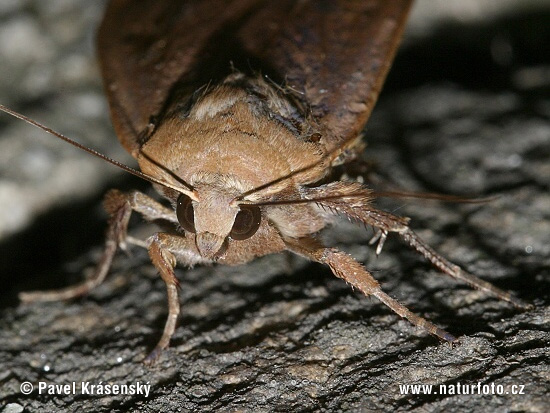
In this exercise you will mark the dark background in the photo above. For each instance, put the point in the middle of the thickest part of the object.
(465, 111)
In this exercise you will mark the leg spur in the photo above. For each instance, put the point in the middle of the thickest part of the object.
(352, 200)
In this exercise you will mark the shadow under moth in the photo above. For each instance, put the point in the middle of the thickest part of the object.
(236, 111)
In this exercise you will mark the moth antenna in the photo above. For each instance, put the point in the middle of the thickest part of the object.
(91, 151)
(328, 157)
(377, 194)
(168, 171)
(334, 191)
(301, 200)
(240, 198)
(433, 196)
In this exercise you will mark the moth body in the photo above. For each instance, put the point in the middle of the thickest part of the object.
(244, 159)
(234, 138)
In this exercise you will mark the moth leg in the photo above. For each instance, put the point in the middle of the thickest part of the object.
(119, 206)
(164, 261)
(119, 210)
(151, 209)
(163, 249)
(346, 268)
(353, 201)
(387, 222)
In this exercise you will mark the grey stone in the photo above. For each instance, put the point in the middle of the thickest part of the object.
(281, 334)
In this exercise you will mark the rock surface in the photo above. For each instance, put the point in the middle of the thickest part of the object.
(465, 111)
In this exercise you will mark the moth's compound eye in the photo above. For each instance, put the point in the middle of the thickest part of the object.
(185, 213)
(246, 222)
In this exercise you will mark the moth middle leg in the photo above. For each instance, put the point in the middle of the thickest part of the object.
(353, 201)
(345, 267)
(163, 249)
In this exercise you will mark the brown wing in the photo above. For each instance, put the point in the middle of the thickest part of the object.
(336, 53)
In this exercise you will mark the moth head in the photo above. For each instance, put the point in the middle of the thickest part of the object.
(215, 218)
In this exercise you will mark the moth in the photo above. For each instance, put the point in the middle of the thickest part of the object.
(237, 111)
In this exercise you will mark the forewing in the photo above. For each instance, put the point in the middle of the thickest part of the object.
(333, 53)
(145, 47)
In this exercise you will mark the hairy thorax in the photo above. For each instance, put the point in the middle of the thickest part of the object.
(236, 143)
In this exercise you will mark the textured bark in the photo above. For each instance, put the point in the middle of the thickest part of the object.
(282, 334)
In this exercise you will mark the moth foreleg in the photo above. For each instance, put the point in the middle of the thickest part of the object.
(346, 268)
(151, 209)
(119, 206)
(119, 209)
